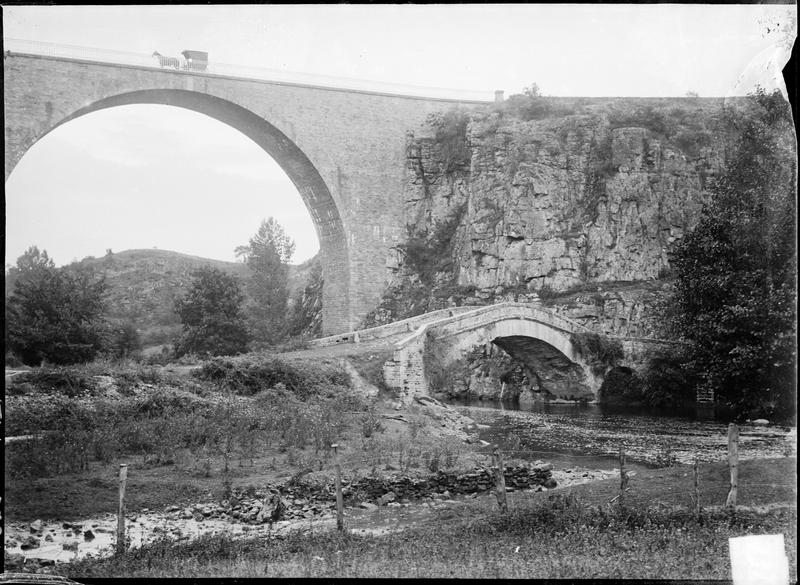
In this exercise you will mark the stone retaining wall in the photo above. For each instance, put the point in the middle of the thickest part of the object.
(479, 480)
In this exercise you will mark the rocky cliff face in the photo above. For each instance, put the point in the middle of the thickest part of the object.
(501, 207)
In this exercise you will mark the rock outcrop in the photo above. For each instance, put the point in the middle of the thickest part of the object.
(502, 207)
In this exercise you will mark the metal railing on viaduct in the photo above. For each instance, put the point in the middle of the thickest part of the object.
(179, 64)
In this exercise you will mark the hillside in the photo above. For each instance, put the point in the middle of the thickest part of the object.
(143, 286)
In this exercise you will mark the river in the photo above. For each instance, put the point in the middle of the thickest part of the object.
(593, 434)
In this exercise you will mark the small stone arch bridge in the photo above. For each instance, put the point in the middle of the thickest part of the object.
(531, 334)
(539, 338)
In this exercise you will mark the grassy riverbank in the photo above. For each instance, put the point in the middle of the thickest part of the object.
(191, 437)
(570, 533)
(248, 423)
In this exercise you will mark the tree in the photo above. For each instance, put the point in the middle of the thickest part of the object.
(735, 287)
(124, 340)
(54, 314)
(28, 265)
(268, 255)
(211, 315)
(533, 91)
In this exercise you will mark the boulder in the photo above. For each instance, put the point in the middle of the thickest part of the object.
(29, 543)
(36, 526)
(386, 498)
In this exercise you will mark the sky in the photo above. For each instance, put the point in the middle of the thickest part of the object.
(108, 179)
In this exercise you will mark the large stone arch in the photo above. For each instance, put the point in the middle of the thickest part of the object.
(301, 171)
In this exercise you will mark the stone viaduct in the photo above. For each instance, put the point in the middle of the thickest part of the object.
(343, 149)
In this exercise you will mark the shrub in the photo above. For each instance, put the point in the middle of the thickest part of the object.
(451, 136)
(249, 375)
(427, 254)
(623, 386)
(600, 351)
(668, 379)
(691, 142)
(12, 361)
(643, 117)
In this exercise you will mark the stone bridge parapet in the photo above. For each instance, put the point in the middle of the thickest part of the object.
(390, 329)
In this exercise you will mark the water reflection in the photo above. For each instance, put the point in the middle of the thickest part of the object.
(590, 410)
(653, 437)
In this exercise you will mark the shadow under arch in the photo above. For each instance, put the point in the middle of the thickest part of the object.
(544, 350)
(547, 365)
(300, 170)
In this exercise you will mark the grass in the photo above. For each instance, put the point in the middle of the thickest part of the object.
(287, 407)
(560, 538)
(572, 533)
(370, 367)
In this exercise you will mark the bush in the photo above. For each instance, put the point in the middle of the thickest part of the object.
(451, 136)
(643, 117)
(600, 351)
(691, 142)
(160, 423)
(622, 386)
(668, 379)
(12, 361)
(427, 254)
(249, 375)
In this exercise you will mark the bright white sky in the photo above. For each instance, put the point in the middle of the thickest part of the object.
(120, 178)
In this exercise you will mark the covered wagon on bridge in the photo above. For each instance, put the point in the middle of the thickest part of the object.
(195, 60)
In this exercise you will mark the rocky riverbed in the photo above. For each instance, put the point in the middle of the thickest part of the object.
(648, 440)
(275, 510)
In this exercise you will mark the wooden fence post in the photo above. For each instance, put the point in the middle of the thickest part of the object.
(339, 498)
(733, 462)
(500, 480)
(623, 478)
(123, 476)
(696, 489)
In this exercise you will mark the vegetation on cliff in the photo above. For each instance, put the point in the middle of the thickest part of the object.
(735, 285)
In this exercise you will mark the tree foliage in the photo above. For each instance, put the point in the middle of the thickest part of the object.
(735, 292)
(268, 254)
(213, 323)
(124, 340)
(28, 265)
(54, 314)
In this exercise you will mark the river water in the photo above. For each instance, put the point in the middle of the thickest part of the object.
(587, 432)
